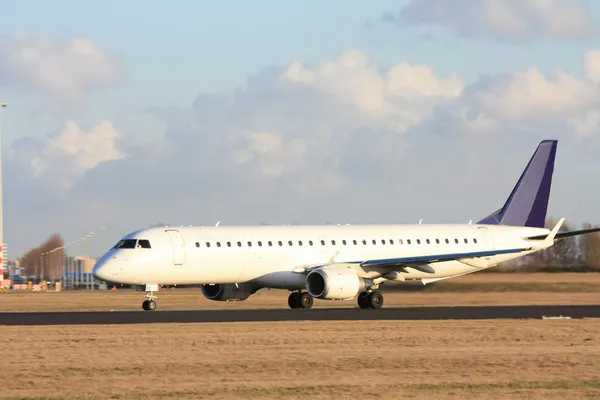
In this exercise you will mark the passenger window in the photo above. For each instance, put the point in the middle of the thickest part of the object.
(418, 241)
(323, 242)
(259, 243)
(280, 243)
(391, 241)
(354, 242)
(299, 242)
(466, 241)
(456, 241)
(408, 241)
(218, 244)
(197, 244)
(474, 240)
(364, 242)
(437, 241)
(207, 244)
(310, 242)
(447, 241)
(344, 242)
(374, 241)
(333, 242)
(400, 241)
(249, 244)
(239, 244)
(382, 241)
(270, 243)
(427, 241)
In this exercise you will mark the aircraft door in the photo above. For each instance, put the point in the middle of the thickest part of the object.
(178, 247)
(488, 241)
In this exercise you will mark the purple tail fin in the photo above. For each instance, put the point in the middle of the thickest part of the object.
(528, 202)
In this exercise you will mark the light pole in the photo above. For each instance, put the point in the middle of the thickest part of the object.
(3, 105)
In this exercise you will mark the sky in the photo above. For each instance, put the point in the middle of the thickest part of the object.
(128, 114)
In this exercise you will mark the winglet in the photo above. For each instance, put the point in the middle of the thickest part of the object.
(549, 241)
(555, 230)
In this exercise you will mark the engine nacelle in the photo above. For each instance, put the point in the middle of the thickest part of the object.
(334, 283)
(228, 291)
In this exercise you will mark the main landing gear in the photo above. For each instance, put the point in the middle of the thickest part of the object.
(372, 299)
(149, 304)
(300, 300)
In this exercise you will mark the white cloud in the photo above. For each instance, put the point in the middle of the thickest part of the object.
(586, 124)
(396, 99)
(531, 94)
(503, 19)
(343, 140)
(62, 71)
(65, 158)
(275, 154)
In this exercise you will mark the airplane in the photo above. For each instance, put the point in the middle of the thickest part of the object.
(340, 262)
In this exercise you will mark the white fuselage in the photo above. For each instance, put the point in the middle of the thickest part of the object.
(271, 256)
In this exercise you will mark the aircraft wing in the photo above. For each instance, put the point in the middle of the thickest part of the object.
(419, 262)
(565, 234)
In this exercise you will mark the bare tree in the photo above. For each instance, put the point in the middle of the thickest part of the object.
(591, 247)
(38, 261)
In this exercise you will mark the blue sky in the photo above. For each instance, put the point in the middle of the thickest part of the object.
(155, 59)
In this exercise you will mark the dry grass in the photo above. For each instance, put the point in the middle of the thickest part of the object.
(476, 289)
(324, 360)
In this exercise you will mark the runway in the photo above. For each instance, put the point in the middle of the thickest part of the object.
(323, 314)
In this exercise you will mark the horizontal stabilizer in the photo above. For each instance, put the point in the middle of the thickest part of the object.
(564, 234)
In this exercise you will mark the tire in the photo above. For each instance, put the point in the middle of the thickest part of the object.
(293, 300)
(375, 300)
(363, 300)
(305, 300)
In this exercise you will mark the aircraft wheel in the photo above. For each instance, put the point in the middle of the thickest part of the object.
(149, 305)
(375, 300)
(305, 300)
(363, 300)
(293, 300)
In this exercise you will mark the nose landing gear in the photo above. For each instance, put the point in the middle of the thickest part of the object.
(149, 304)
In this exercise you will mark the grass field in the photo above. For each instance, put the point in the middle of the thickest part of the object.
(476, 289)
(521, 359)
(322, 360)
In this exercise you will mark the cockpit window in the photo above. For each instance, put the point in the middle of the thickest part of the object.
(133, 243)
(126, 244)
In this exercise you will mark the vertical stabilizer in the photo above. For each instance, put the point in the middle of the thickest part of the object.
(528, 202)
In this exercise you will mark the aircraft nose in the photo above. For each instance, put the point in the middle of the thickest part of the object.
(106, 269)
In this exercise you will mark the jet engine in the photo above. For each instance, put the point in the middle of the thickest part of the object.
(334, 283)
(228, 291)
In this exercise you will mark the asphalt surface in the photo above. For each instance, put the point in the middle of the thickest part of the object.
(322, 314)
